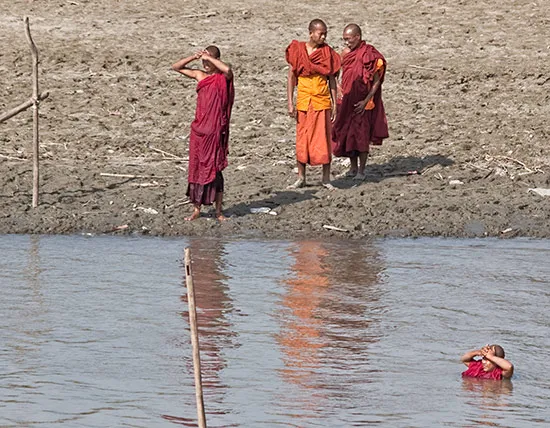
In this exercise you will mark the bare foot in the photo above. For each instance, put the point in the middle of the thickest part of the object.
(297, 184)
(221, 217)
(196, 214)
(360, 176)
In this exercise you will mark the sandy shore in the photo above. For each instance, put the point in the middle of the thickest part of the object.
(467, 96)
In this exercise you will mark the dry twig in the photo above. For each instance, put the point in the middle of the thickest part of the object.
(165, 153)
(423, 68)
(200, 15)
(177, 204)
(12, 158)
(108, 174)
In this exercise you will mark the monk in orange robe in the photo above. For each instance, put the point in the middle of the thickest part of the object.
(313, 66)
(361, 117)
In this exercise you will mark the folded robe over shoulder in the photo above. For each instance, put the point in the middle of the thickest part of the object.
(352, 133)
(209, 138)
(323, 60)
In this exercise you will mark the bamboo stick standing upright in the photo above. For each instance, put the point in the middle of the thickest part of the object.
(194, 339)
(35, 100)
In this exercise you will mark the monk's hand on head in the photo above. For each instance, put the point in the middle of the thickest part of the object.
(198, 55)
(487, 351)
(359, 108)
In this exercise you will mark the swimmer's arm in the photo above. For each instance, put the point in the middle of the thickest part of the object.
(468, 357)
(181, 67)
(506, 366)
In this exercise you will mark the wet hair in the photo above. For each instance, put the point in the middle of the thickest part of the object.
(499, 350)
(316, 23)
(355, 29)
(214, 51)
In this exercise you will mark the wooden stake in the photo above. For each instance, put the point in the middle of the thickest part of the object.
(35, 101)
(22, 107)
(194, 338)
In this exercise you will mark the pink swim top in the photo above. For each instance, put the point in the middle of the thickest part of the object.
(475, 369)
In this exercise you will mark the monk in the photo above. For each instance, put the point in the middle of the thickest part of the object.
(361, 119)
(313, 66)
(487, 363)
(209, 137)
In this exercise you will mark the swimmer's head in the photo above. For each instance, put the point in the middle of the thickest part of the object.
(498, 350)
(489, 365)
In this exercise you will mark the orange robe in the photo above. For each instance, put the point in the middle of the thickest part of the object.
(313, 103)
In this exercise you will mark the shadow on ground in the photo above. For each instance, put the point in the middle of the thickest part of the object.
(398, 166)
(286, 197)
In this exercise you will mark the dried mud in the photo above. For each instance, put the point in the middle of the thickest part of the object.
(466, 93)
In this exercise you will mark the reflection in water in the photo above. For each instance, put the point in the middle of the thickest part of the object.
(329, 314)
(32, 274)
(214, 307)
(487, 395)
(300, 336)
(33, 269)
(293, 334)
(33, 310)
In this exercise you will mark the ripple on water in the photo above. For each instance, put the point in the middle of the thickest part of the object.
(95, 332)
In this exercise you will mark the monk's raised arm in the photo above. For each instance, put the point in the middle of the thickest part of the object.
(290, 85)
(468, 357)
(181, 67)
(219, 64)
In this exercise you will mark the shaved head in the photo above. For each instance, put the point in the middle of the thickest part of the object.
(353, 29)
(498, 350)
(213, 51)
(316, 23)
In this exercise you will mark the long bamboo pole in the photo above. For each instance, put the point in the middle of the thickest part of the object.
(194, 339)
(36, 100)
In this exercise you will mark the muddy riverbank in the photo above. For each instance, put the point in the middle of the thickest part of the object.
(467, 97)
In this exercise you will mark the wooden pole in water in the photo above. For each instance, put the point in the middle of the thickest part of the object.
(35, 101)
(194, 339)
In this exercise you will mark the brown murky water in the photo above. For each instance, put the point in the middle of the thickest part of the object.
(94, 332)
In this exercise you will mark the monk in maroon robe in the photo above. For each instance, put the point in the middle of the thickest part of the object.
(209, 137)
(361, 119)
(487, 363)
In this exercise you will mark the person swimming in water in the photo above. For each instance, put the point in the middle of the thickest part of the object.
(491, 365)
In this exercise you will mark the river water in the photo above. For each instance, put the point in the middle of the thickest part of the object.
(94, 332)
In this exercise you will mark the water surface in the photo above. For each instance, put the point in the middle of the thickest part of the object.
(94, 332)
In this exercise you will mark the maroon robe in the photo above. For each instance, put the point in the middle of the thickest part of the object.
(475, 369)
(353, 133)
(209, 138)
